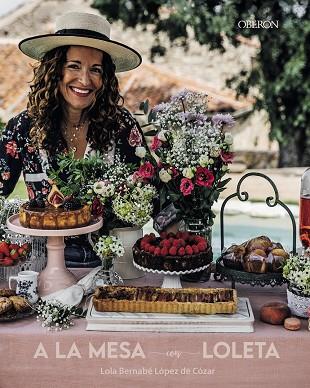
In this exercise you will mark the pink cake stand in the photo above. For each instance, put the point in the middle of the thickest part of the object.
(55, 275)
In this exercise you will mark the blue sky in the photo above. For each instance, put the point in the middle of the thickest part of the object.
(6, 6)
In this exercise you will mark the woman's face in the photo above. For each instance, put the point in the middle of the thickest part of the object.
(81, 77)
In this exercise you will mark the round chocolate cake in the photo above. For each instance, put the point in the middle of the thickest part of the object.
(169, 252)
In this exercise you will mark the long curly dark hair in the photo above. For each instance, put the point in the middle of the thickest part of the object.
(44, 104)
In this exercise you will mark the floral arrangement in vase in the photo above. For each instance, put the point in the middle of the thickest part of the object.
(192, 153)
(117, 190)
(108, 248)
(297, 272)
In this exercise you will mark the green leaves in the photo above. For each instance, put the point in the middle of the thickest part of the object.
(279, 75)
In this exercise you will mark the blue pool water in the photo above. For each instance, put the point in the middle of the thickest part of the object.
(240, 228)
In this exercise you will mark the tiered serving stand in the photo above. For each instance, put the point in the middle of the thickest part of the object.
(254, 279)
(55, 276)
(171, 278)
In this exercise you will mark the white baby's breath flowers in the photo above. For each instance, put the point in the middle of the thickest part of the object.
(164, 175)
(215, 151)
(140, 152)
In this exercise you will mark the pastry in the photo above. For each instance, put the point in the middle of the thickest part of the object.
(19, 303)
(232, 258)
(165, 300)
(292, 323)
(256, 262)
(262, 242)
(181, 252)
(7, 292)
(5, 305)
(276, 259)
(257, 255)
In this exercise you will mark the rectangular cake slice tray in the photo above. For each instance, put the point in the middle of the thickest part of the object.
(241, 322)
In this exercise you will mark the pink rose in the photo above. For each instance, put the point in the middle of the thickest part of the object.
(97, 208)
(11, 149)
(156, 143)
(186, 186)
(30, 149)
(146, 171)
(204, 177)
(135, 137)
(227, 157)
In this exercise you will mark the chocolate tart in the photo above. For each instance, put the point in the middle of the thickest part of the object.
(166, 300)
(54, 218)
(171, 263)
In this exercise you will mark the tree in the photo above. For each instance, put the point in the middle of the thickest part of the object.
(280, 72)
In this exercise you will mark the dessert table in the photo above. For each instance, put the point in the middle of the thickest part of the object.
(33, 357)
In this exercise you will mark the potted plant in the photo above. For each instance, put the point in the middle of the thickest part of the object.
(297, 272)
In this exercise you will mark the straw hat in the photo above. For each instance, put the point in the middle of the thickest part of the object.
(82, 29)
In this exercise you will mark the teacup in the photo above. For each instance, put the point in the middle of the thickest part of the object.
(27, 285)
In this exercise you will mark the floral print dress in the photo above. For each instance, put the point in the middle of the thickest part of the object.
(18, 155)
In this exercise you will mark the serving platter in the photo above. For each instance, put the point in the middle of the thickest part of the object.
(241, 322)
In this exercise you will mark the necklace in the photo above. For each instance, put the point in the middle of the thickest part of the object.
(73, 137)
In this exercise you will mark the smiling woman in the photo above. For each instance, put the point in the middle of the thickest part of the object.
(74, 103)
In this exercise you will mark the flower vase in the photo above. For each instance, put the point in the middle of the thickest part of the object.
(124, 265)
(203, 228)
(297, 302)
(107, 276)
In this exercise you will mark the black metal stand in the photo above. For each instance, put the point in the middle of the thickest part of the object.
(225, 273)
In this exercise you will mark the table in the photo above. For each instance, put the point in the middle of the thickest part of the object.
(32, 357)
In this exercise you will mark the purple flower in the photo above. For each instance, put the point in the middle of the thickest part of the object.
(182, 95)
(195, 118)
(223, 119)
(161, 107)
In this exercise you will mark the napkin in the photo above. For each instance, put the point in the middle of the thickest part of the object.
(73, 295)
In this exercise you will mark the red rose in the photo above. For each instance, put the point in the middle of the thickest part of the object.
(204, 177)
(146, 171)
(11, 149)
(175, 172)
(97, 208)
(227, 157)
(135, 137)
(156, 143)
(186, 186)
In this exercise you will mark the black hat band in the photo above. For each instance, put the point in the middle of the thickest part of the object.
(82, 32)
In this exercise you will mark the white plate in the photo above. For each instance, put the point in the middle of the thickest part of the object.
(241, 322)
